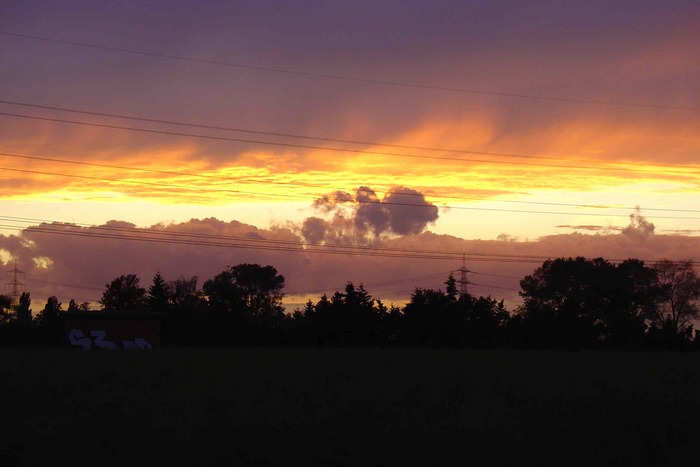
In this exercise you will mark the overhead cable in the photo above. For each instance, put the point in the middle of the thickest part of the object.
(354, 79)
(305, 137)
(243, 242)
(350, 150)
(361, 201)
(240, 180)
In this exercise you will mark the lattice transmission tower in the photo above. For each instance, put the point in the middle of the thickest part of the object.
(14, 283)
(463, 282)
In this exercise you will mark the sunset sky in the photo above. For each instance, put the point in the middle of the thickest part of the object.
(522, 129)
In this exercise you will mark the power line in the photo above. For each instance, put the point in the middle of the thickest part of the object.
(194, 239)
(409, 279)
(288, 195)
(197, 239)
(140, 182)
(185, 237)
(492, 275)
(72, 286)
(299, 248)
(111, 232)
(494, 286)
(272, 182)
(264, 133)
(15, 284)
(346, 150)
(355, 79)
(296, 136)
(371, 285)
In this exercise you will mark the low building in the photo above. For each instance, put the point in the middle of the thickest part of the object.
(111, 331)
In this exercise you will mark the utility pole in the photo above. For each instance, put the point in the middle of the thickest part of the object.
(463, 282)
(15, 283)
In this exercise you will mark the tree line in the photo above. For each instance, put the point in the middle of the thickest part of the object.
(568, 303)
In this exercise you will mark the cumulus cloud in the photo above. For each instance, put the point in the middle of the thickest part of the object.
(314, 229)
(639, 228)
(409, 212)
(330, 202)
(370, 214)
(363, 217)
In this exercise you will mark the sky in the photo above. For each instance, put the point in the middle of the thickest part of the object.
(373, 142)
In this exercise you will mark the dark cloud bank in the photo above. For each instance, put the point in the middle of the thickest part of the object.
(75, 262)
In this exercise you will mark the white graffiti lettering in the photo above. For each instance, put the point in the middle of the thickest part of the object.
(75, 337)
(137, 344)
(97, 340)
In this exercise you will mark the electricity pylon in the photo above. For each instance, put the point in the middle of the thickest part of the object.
(15, 284)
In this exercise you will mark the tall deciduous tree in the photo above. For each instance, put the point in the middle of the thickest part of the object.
(51, 314)
(184, 293)
(24, 313)
(123, 294)
(681, 294)
(49, 329)
(5, 309)
(588, 302)
(252, 289)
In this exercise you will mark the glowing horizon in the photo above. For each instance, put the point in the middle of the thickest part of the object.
(517, 121)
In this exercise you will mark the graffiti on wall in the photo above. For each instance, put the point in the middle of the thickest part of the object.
(106, 334)
(96, 340)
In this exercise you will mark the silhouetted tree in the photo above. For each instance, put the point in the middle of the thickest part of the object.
(48, 323)
(393, 320)
(560, 298)
(24, 313)
(187, 322)
(123, 294)
(351, 317)
(681, 294)
(74, 307)
(6, 314)
(320, 323)
(10, 332)
(632, 296)
(247, 299)
(51, 314)
(300, 330)
(430, 318)
(574, 303)
(359, 316)
(451, 287)
(184, 293)
(158, 293)
(250, 287)
(444, 318)
(484, 320)
(307, 312)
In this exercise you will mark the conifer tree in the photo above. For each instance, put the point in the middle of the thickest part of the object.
(158, 293)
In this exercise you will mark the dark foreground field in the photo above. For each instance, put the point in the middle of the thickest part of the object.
(349, 407)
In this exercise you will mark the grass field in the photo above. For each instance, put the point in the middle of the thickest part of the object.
(290, 406)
